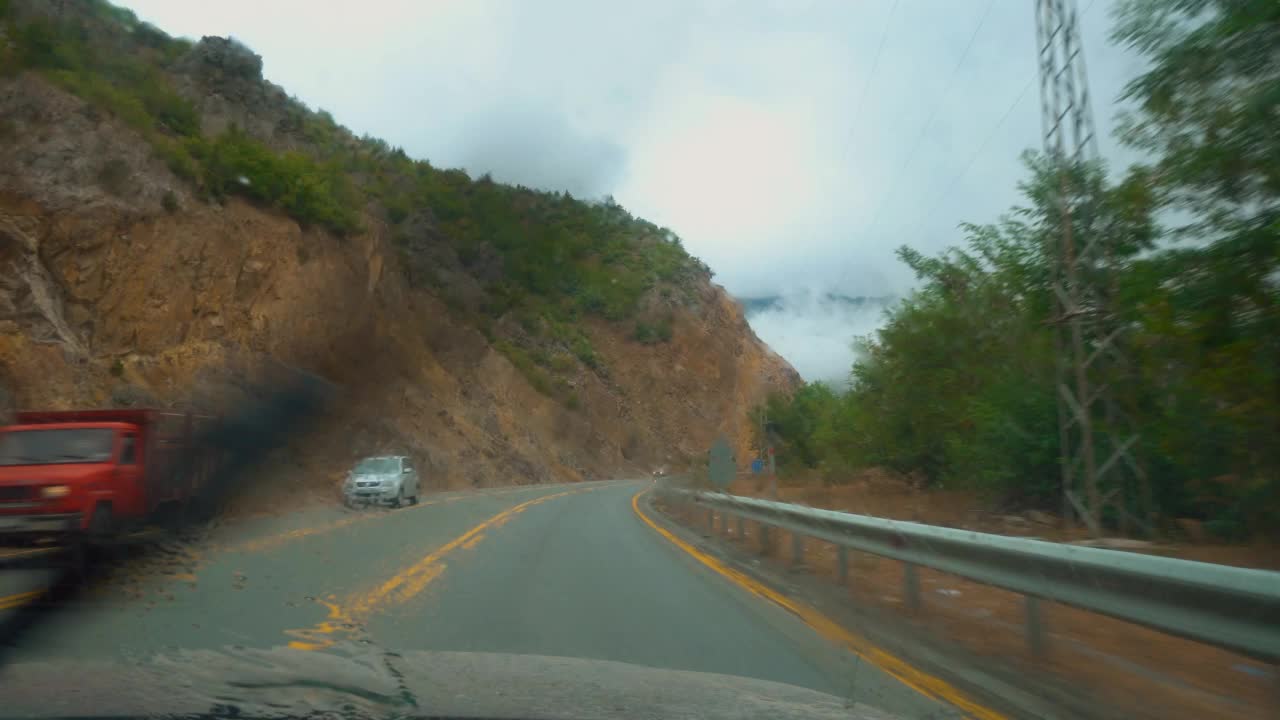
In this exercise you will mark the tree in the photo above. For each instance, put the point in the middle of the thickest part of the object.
(1206, 111)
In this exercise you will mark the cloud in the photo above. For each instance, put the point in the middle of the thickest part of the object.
(816, 333)
(523, 143)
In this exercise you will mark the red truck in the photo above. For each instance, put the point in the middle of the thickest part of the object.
(95, 473)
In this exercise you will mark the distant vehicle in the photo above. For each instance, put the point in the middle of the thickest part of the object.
(384, 480)
(93, 474)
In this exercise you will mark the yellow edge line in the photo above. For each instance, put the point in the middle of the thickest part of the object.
(20, 599)
(27, 552)
(914, 678)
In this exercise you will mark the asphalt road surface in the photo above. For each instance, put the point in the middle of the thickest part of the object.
(568, 571)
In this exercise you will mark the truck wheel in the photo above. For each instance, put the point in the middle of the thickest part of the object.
(399, 499)
(413, 499)
(102, 524)
(75, 561)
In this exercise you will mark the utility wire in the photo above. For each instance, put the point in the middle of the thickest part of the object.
(937, 199)
(875, 63)
(974, 158)
(884, 201)
(923, 130)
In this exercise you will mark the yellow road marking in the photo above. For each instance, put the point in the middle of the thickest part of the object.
(20, 599)
(336, 617)
(914, 678)
(27, 552)
(280, 539)
(402, 586)
(274, 540)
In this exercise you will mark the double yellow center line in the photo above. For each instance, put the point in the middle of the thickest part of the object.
(349, 616)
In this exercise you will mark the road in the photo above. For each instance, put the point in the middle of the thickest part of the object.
(568, 571)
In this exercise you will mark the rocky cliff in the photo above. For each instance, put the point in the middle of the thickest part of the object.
(125, 280)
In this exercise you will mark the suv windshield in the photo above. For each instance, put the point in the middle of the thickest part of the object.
(46, 447)
(377, 466)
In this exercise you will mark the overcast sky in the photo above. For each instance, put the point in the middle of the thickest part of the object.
(770, 134)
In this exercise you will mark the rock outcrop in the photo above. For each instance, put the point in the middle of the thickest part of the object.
(119, 284)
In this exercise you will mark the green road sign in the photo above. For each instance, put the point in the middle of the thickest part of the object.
(721, 468)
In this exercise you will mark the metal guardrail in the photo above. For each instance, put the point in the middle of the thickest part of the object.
(1230, 607)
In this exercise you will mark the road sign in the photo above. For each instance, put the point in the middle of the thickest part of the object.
(757, 466)
(720, 469)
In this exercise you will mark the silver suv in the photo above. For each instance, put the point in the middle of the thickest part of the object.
(383, 480)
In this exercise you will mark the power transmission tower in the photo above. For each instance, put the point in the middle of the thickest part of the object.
(1097, 440)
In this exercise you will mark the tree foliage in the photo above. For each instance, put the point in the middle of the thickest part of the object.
(958, 384)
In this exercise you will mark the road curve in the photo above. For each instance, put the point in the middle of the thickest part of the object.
(567, 571)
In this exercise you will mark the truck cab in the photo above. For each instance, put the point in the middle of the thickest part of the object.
(91, 472)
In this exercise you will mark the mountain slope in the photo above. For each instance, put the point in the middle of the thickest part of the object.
(171, 224)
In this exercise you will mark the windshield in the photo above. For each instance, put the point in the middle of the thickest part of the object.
(45, 447)
(842, 344)
(377, 466)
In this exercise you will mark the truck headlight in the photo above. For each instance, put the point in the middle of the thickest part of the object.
(51, 492)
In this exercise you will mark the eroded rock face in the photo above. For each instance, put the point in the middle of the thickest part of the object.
(223, 79)
(224, 63)
(110, 298)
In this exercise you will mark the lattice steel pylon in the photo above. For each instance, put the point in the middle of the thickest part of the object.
(1092, 426)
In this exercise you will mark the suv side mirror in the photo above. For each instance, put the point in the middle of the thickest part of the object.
(407, 470)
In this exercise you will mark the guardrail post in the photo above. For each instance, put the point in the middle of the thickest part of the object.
(910, 586)
(842, 560)
(797, 549)
(741, 533)
(764, 539)
(1037, 640)
(711, 520)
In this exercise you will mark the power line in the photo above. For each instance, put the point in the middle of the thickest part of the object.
(937, 106)
(875, 63)
(937, 199)
(923, 130)
(974, 158)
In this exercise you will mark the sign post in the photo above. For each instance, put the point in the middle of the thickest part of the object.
(773, 475)
(720, 468)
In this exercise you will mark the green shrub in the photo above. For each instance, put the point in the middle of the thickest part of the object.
(397, 210)
(645, 334)
(311, 193)
(169, 201)
(664, 330)
(653, 333)
(583, 351)
(114, 176)
(178, 160)
(562, 363)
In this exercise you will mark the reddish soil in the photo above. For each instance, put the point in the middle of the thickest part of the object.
(1141, 672)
